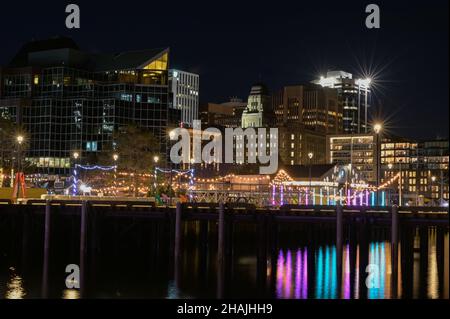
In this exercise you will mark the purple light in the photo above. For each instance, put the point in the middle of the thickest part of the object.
(348, 197)
(361, 198)
(367, 197)
(280, 274)
(347, 273)
(305, 274)
(273, 194)
(288, 275)
(306, 196)
(298, 273)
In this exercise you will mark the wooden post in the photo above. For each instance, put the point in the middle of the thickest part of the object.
(178, 231)
(47, 225)
(177, 248)
(394, 250)
(261, 268)
(273, 246)
(364, 257)
(221, 242)
(423, 261)
(339, 243)
(25, 238)
(221, 252)
(440, 256)
(83, 234)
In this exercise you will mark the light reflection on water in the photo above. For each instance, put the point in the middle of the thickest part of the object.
(300, 272)
(326, 275)
(71, 294)
(14, 287)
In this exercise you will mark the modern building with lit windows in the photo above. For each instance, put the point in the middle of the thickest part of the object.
(70, 100)
(314, 106)
(423, 166)
(184, 89)
(354, 98)
(418, 170)
(357, 150)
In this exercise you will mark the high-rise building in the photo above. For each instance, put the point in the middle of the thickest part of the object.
(184, 89)
(70, 100)
(227, 114)
(315, 107)
(296, 142)
(304, 115)
(354, 99)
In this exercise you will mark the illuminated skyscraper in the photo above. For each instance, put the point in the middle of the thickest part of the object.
(184, 87)
(354, 98)
(69, 99)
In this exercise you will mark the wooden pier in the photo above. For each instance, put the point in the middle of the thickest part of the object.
(266, 220)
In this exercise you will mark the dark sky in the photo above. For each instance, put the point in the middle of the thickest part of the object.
(233, 44)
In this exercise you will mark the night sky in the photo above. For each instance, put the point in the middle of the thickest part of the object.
(233, 44)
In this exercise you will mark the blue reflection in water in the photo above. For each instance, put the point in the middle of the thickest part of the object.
(377, 264)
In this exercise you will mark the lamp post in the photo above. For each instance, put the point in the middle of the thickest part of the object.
(400, 184)
(75, 156)
(115, 158)
(433, 179)
(310, 156)
(20, 140)
(19, 176)
(390, 166)
(377, 129)
(155, 160)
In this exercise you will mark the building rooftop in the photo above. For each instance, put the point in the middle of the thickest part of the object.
(64, 51)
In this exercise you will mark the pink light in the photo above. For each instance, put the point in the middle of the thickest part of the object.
(280, 274)
(367, 197)
(347, 273)
(288, 275)
(298, 273)
(348, 197)
(305, 274)
(273, 194)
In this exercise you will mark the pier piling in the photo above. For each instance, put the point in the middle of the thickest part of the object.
(47, 225)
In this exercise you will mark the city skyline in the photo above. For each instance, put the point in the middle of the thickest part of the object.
(406, 57)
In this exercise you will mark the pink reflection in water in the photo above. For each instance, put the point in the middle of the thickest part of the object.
(286, 287)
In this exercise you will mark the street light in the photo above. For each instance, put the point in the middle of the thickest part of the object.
(310, 156)
(75, 155)
(156, 159)
(377, 129)
(20, 139)
(115, 158)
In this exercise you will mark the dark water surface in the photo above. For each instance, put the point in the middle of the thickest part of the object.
(133, 260)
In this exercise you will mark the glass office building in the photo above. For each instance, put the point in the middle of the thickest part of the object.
(69, 100)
